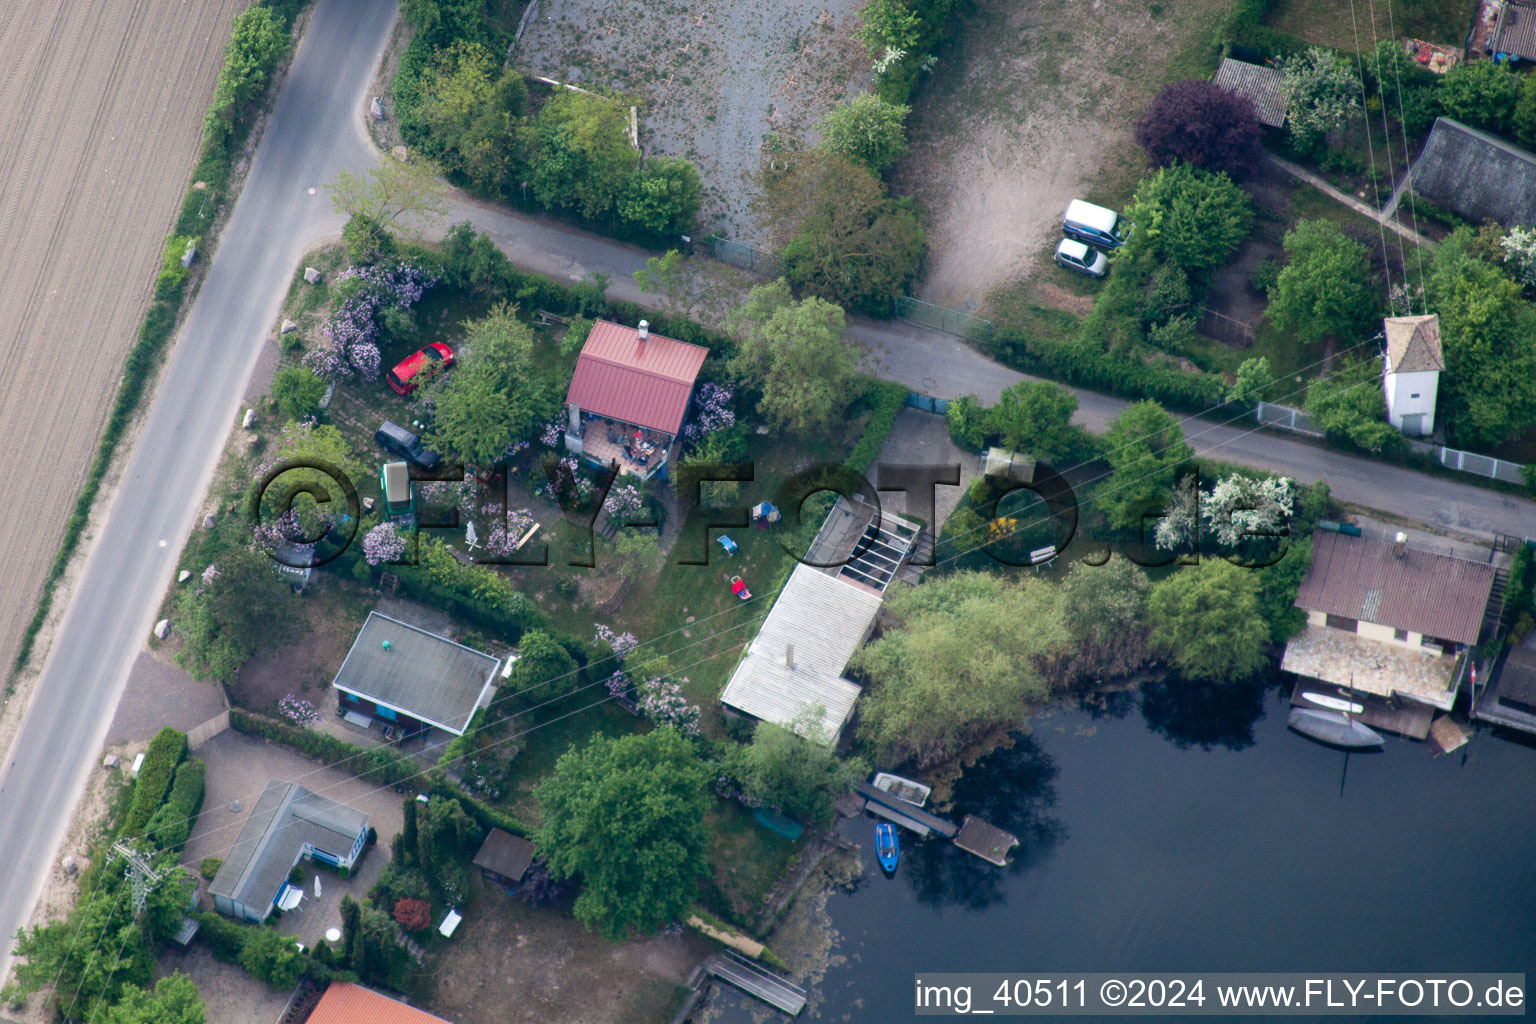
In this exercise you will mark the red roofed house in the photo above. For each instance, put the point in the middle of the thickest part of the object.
(629, 396)
(345, 1003)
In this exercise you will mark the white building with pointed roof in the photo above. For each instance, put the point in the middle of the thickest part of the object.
(1411, 374)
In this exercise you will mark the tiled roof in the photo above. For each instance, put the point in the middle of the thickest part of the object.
(644, 382)
(1359, 578)
(346, 1003)
(426, 676)
(1413, 343)
(1478, 175)
(1260, 83)
(1516, 30)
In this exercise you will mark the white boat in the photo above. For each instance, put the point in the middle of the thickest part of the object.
(1322, 700)
(905, 789)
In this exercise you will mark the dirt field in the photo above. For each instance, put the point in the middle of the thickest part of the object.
(100, 108)
(717, 78)
(1030, 109)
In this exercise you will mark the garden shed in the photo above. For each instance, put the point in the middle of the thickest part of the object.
(504, 858)
(412, 679)
(1261, 84)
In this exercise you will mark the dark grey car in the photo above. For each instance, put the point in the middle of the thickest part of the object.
(396, 440)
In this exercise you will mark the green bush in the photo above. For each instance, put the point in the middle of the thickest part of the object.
(885, 399)
(172, 274)
(166, 751)
(224, 937)
(486, 816)
(208, 867)
(170, 826)
(967, 423)
(376, 765)
(1079, 362)
(297, 392)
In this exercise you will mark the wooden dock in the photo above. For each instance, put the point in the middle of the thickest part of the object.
(1405, 717)
(888, 814)
(905, 813)
(986, 841)
(757, 981)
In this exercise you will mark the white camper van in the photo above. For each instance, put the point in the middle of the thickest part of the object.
(1093, 224)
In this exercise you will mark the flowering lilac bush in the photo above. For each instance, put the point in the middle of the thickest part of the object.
(623, 502)
(728, 788)
(293, 529)
(383, 544)
(621, 643)
(353, 329)
(550, 436)
(503, 538)
(712, 411)
(210, 574)
(662, 701)
(618, 685)
(443, 494)
(297, 710)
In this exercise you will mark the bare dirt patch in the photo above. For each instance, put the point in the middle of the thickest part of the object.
(101, 109)
(718, 79)
(1030, 108)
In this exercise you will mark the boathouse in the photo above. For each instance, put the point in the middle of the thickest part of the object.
(1389, 621)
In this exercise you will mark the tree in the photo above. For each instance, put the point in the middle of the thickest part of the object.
(412, 914)
(1518, 249)
(257, 42)
(1320, 91)
(1325, 289)
(408, 832)
(1143, 446)
(400, 195)
(1036, 417)
(351, 928)
(1206, 623)
(1191, 218)
(297, 393)
(842, 237)
(796, 354)
(367, 241)
(968, 422)
(662, 198)
(1488, 339)
(174, 1000)
(375, 956)
(636, 553)
(1104, 606)
(1197, 123)
(495, 395)
(1349, 406)
(1482, 94)
(471, 111)
(544, 668)
(440, 22)
(959, 643)
(887, 25)
(247, 606)
(627, 816)
(797, 771)
(582, 158)
(272, 957)
(1524, 118)
(867, 129)
(1252, 382)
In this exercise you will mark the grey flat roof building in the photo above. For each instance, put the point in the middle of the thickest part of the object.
(416, 673)
(287, 822)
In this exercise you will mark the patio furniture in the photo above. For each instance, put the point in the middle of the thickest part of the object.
(731, 547)
(739, 588)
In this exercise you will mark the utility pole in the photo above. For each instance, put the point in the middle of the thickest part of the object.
(141, 874)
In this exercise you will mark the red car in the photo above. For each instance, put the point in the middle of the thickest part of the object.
(402, 379)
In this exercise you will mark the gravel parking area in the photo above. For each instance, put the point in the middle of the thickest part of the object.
(717, 79)
(158, 694)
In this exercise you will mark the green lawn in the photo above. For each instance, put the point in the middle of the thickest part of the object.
(748, 859)
(1329, 22)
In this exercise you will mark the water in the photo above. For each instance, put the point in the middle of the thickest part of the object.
(1169, 833)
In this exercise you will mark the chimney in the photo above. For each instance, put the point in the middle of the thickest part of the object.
(1400, 544)
(645, 329)
(789, 656)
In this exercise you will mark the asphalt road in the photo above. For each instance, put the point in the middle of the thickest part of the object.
(315, 131)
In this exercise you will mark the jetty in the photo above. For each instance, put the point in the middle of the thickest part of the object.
(974, 836)
(757, 981)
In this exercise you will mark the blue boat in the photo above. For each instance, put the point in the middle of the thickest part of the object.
(886, 847)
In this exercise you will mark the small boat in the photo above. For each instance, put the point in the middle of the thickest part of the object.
(1334, 728)
(887, 850)
(1322, 700)
(912, 792)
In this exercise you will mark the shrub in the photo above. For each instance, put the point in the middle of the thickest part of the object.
(257, 43)
(165, 752)
(376, 765)
(867, 129)
(172, 274)
(662, 198)
(208, 867)
(967, 423)
(272, 957)
(885, 399)
(170, 826)
(297, 392)
(1200, 124)
(412, 914)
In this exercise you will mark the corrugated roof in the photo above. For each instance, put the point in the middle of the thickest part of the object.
(1478, 175)
(646, 383)
(346, 1003)
(504, 853)
(1359, 578)
(1260, 84)
(1413, 343)
(824, 619)
(285, 818)
(421, 674)
(1516, 30)
(1518, 676)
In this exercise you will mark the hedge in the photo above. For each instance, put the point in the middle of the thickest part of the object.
(1084, 364)
(486, 816)
(170, 826)
(167, 750)
(886, 398)
(1243, 32)
(376, 765)
(199, 209)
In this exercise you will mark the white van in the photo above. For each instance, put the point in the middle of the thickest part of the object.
(1092, 224)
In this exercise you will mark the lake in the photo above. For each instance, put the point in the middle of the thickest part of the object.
(1168, 831)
